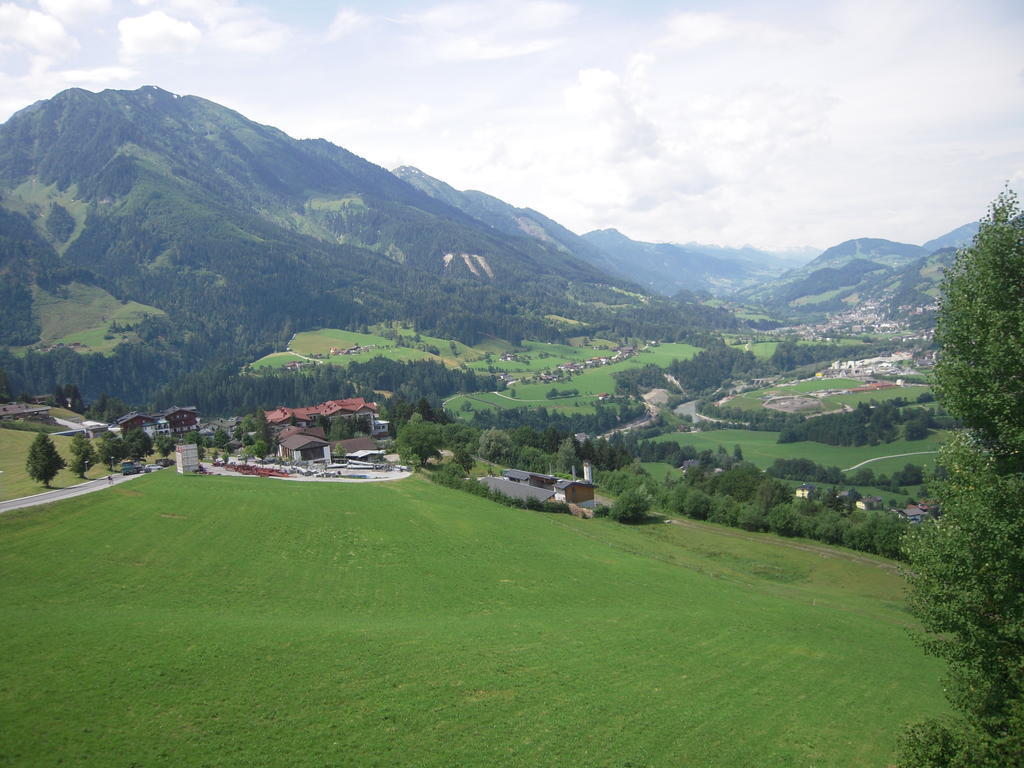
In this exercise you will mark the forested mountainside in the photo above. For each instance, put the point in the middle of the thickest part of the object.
(226, 236)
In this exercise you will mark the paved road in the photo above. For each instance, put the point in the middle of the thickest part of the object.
(48, 497)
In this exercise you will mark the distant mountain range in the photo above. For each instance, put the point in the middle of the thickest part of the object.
(664, 268)
(226, 236)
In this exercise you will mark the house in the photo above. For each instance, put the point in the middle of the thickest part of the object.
(181, 419)
(301, 447)
(135, 420)
(913, 514)
(870, 502)
(805, 491)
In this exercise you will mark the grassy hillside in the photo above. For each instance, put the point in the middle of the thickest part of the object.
(192, 621)
(14, 480)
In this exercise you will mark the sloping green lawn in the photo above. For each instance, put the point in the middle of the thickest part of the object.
(238, 622)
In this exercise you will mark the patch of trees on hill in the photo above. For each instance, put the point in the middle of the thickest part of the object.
(865, 425)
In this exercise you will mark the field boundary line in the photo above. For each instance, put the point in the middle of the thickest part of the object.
(894, 456)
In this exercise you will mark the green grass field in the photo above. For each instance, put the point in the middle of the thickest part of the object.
(84, 314)
(14, 480)
(237, 622)
(762, 448)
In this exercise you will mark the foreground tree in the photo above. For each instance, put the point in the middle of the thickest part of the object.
(967, 569)
(43, 462)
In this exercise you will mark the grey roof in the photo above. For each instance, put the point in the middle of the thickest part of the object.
(516, 490)
(516, 474)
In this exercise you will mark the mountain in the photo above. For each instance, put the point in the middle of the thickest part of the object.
(836, 279)
(509, 220)
(669, 268)
(958, 238)
(217, 237)
(662, 268)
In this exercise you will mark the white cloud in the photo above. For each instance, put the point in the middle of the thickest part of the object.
(156, 33)
(241, 29)
(489, 31)
(73, 10)
(345, 22)
(34, 30)
(695, 29)
(97, 76)
(227, 25)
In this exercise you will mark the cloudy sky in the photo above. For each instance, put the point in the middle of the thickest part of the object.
(776, 124)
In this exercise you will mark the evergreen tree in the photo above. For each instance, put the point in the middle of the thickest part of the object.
(43, 462)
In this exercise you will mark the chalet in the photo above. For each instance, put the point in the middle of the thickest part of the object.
(300, 447)
(805, 491)
(181, 419)
(135, 420)
(12, 411)
(174, 421)
(870, 502)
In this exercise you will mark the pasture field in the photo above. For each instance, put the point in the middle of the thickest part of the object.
(14, 480)
(590, 383)
(207, 620)
(762, 448)
(83, 314)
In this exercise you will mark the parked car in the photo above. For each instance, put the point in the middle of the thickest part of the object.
(153, 467)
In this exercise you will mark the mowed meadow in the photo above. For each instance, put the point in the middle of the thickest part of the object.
(220, 621)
